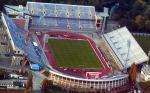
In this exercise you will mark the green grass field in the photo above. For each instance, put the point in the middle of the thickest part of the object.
(73, 53)
(144, 42)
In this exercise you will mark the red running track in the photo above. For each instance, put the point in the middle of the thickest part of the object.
(74, 71)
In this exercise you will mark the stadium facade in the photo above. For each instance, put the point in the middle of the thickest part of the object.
(43, 18)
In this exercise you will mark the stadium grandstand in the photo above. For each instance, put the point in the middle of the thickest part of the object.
(75, 29)
(19, 47)
(14, 39)
(125, 48)
(66, 17)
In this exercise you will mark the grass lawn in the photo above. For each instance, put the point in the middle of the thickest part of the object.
(144, 42)
(73, 53)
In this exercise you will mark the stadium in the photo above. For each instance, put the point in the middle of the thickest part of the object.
(72, 48)
(69, 41)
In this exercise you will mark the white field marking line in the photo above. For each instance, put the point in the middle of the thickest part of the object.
(96, 53)
(69, 39)
(103, 57)
(91, 46)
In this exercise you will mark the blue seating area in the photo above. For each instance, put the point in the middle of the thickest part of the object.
(51, 22)
(18, 36)
(72, 17)
(85, 12)
(33, 54)
(62, 23)
(50, 10)
(87, 24)
(61, 10)
(74, 24)
(16, 33)
(73, 12)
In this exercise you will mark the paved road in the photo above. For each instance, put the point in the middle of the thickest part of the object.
(37, 79)
(138, 87)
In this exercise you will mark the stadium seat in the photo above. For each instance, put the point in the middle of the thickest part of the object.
(74, 24)
(73, 13)
(62, 23)
(16, 33)
(52, 22)
(50, 10)
(61, 9)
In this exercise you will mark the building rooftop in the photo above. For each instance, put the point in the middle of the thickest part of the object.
(15, 10)
(125, 47)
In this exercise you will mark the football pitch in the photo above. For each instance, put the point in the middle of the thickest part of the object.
(73, 53)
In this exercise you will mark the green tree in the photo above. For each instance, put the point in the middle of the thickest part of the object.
(147, 12)
(140, 21)
(147, 26)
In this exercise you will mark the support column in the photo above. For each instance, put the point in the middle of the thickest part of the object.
(90, 84)
(94, 85)
(66, 82)
(82, 84)
(118, 83)
(122, 81)
(69, 82)
(102, 85)
(86, 84)
(105, 85)
(115, 83)
(98, 85)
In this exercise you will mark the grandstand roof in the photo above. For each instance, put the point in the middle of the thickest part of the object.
(15, 34)
(146, 70)
(15, 10)
(125, 47)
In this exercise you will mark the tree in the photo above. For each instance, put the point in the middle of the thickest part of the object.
(132, 73)
(140, 21)
(139, 5)
(29, 85)
(28, 90)
(147, 26)
(46, 85)
(147, 12)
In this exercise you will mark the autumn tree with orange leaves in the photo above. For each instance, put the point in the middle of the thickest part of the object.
(132, 73)
(46, 85)
(29, 85)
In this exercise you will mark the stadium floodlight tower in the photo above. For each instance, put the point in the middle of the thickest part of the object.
(112, 10)
(104, 15)
(128, 51)
(45, 40)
